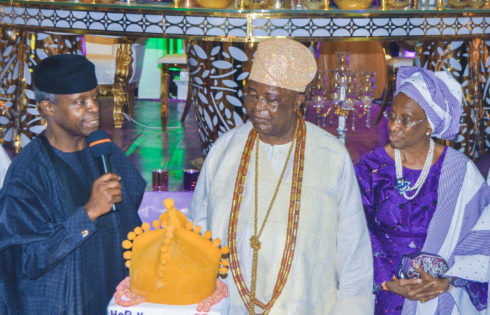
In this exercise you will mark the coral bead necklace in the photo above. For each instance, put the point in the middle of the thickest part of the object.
(248, 296)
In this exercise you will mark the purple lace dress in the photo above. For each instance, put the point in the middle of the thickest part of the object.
(397, 226)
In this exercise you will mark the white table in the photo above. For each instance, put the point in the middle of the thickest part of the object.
(152, 204)
(161, 309)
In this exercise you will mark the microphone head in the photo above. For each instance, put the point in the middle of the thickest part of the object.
(99, 143)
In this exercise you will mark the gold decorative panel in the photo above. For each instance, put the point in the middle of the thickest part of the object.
(20, 119)
(217, 73)
(468, 61)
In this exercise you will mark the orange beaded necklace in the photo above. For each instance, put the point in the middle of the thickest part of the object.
(293, 218)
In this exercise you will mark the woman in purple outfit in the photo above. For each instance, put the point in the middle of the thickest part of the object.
(423, 197)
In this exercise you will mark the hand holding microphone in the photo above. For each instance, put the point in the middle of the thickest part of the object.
(106, 190)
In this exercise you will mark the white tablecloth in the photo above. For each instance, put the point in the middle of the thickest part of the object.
(152, 204)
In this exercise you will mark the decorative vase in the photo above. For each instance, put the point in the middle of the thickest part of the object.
(353, 4)
(457, 4)
(256, 4)
(214, 4)
(314, 4)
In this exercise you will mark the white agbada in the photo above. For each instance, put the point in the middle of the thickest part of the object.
(332, 267)
(4, 164)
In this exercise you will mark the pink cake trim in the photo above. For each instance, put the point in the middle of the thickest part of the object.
(124, 297)
(220, 293)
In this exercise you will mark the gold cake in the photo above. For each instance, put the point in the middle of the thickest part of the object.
(173, 263)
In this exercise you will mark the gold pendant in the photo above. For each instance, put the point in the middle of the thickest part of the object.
(255, 243)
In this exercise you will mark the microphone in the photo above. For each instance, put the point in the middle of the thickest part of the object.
(100, 146)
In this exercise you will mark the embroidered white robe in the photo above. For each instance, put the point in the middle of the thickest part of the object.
(331, 271)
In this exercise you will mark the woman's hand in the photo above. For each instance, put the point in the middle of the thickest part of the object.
(430, 287)
(424, 289)
(404, 287)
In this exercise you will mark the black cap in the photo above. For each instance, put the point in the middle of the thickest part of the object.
(65, 74)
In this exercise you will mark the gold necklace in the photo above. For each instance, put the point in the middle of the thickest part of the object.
(254, 240)
(292, 227)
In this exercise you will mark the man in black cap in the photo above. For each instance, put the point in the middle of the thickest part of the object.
(60, 241)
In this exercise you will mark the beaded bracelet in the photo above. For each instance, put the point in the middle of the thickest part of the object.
(451, 284)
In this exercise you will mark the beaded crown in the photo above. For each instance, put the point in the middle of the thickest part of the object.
(173, 263)
(284, 63)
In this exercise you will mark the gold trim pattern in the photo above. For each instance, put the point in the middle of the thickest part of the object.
(245, 25)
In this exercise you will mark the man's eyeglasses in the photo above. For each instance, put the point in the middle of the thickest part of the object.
(405, 122)
(252, 99)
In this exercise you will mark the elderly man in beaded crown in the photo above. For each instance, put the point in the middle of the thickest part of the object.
(283, 193)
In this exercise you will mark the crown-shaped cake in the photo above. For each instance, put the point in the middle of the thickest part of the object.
(173, 263)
